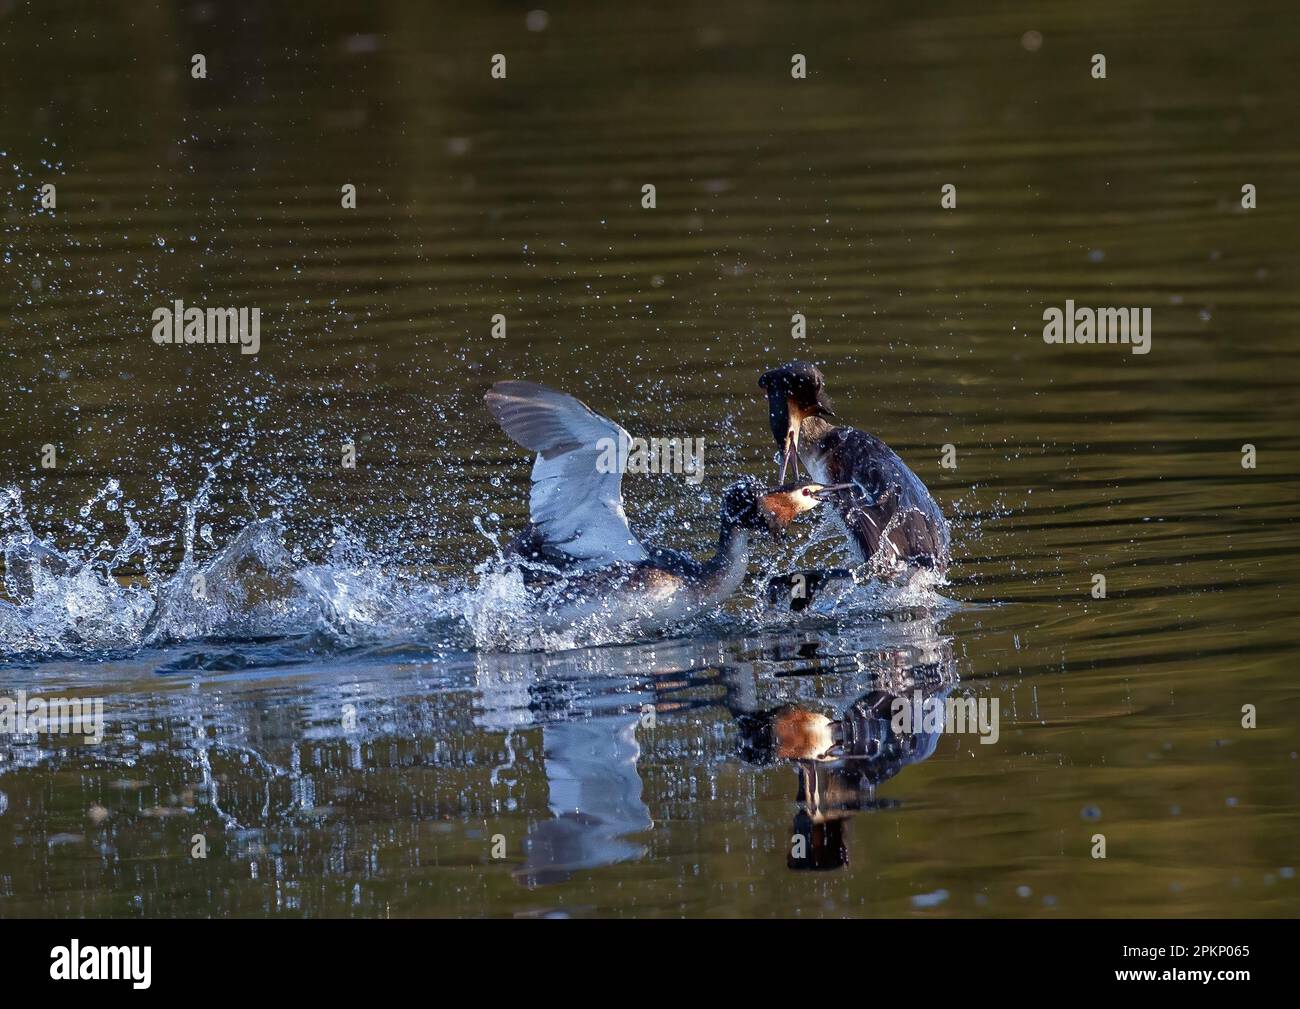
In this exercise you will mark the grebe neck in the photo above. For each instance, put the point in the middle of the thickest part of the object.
(725, 570)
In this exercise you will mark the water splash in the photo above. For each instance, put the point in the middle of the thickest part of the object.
(76, 601)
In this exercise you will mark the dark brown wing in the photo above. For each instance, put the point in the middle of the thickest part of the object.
(891, 509)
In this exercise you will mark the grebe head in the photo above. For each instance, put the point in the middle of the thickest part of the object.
(794, 391)
(748, 506)
(740, 507)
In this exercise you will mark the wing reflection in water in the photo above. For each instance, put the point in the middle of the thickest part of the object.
(595, 797)
(590, 759)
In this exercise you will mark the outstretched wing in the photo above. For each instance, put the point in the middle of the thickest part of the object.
(576, 503)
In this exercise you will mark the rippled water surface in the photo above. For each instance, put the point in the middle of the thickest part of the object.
(357, 718)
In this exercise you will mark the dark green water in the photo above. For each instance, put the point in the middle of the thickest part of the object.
(356, 749)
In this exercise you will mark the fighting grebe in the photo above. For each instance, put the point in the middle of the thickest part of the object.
(889, 504)
(579, 530)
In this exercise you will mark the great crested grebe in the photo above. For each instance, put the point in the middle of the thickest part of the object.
(579, 530)
(888, 506)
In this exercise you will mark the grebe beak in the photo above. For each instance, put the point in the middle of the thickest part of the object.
(821, 493)
(791, 448)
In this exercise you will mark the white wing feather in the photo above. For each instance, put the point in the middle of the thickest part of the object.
(576, 507)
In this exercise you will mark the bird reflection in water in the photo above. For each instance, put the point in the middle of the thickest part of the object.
(840, 760)
(830, 715)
